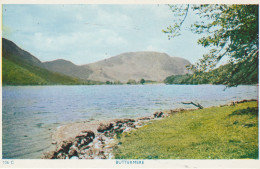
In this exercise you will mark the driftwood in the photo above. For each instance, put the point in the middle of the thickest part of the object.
(197, 105)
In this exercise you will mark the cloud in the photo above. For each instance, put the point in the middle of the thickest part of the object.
(88, 33)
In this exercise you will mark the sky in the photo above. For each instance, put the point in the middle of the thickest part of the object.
(88, 33)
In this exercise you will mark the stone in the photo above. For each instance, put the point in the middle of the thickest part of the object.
(120, 130)
(61, 156)
(85, 137)
(120, 124)
(128, 120)
(54, 142)
(88, 133)
(130, 124)
(158, 114)
(85, 147)
(74, 157)
(73, 152)
(65, 146)
(101, 155)
(104, 127)
(50, 155)
(145, 118)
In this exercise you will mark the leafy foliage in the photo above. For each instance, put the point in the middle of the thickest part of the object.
(142, 81)
(131, 81)
(214, 76)
(229, 30)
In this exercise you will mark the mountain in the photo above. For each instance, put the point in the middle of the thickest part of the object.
(19, 67)
(68, 68)
(14, 53)
(153, 66)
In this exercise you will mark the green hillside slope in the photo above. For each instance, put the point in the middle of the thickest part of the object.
(14, 74)
(22, 68)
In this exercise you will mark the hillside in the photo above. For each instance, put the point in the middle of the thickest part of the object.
(68, 68)
(22, 68)
(14, 53)
(153, 66)
(134, 66)
(14, 74)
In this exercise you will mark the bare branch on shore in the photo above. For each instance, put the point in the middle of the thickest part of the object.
(197, 105)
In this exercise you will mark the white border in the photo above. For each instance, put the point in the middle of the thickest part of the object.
(17, 163)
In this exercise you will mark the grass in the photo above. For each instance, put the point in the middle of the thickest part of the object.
(15, 74)
(229, 132)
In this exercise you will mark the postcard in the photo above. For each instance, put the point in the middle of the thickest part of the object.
(107, 84)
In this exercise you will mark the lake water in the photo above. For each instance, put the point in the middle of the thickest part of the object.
(31, 113)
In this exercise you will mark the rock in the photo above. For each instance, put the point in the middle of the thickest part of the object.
(130, 124)
(120, 124)
(74, 157)
(145, 118)
(88, 133)
(158, 114)
(61, 156)
(65, 146)
(128, 120)
(104, 127)
(113, 123)
(118, 121)
(82, 142)
(73, 152)
(85, 147)
(120, 130)
(54, 142)
(101, 155)
(85, 138)
(50, 155)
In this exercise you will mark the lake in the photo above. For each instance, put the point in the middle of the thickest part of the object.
(30, 114)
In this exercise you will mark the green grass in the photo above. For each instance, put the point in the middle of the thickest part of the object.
(229, 132)
(15, 74)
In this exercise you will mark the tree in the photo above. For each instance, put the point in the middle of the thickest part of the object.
(108, 82)
(229, 30)
(131, 81)
(142, 81)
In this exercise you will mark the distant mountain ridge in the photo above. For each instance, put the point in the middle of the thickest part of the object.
(68, 68)
(148, 65)
(153, 66)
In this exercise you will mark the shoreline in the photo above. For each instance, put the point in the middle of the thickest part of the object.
(97, 139)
